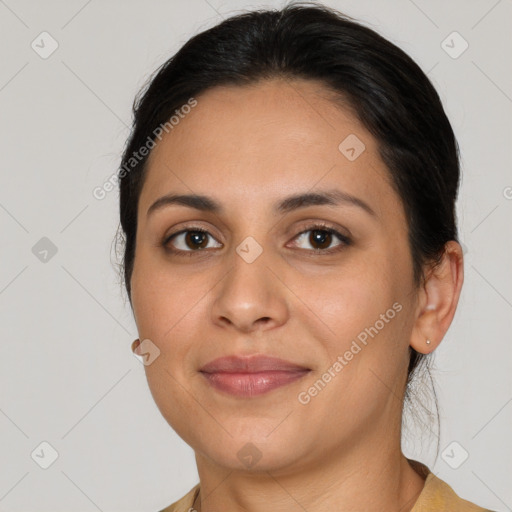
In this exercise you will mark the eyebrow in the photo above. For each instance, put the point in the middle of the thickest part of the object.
(207, 204)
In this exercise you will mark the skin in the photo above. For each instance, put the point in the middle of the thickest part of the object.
(248, 148)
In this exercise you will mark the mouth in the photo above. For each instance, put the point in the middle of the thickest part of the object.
(250, 376)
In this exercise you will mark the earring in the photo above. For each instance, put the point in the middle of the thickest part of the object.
(428, 342)
(135, 344)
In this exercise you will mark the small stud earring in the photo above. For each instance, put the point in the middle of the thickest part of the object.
(428, 342)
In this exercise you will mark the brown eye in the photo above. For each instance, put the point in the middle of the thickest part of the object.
(196, 239)
(321, 237)
(190, 240)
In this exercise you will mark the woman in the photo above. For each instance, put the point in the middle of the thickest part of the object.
(287, 201)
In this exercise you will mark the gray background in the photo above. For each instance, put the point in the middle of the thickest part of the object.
(68, 376)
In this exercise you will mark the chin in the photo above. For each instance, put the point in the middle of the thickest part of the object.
(255, 451)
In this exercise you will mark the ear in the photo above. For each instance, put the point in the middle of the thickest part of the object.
(438, 299)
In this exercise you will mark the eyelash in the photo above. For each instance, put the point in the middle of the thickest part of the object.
(315, 227)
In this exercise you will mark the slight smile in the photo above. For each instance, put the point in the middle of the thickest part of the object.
(248, 376)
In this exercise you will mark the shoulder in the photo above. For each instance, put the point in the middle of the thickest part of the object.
(438, 495)
(185, 503)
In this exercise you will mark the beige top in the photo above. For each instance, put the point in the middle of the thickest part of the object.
(436, 496)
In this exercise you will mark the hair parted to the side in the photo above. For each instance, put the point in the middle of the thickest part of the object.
(379, 82)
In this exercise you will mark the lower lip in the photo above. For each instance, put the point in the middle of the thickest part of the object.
(252, 384)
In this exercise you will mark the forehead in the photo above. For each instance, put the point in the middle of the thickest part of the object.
(264, 141)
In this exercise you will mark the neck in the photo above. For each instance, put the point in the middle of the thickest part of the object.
(367, 477)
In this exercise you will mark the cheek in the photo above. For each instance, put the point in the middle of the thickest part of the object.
(366, 352)
(354, 296)
(168, 311)
(367, 317)
(171, 309)
(162, 297)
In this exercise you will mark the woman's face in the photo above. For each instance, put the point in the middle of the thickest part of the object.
(265, 280)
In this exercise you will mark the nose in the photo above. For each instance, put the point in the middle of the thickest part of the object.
(250, 297)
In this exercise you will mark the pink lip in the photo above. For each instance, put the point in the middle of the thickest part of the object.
(251, 375)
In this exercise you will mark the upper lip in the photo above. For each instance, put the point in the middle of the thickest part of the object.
(250, 364)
